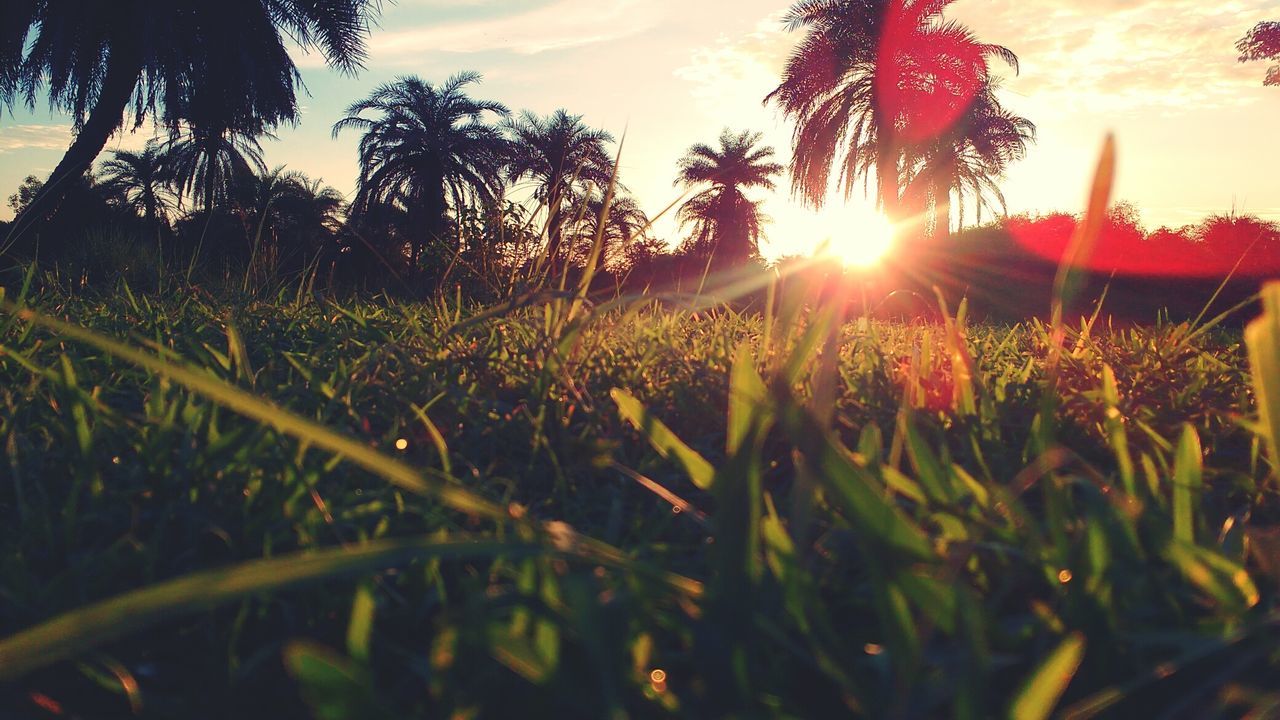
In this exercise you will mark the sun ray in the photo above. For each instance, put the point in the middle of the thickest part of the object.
(864, 242)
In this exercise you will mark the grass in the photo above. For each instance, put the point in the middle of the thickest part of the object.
(248, 507)
(220, 517)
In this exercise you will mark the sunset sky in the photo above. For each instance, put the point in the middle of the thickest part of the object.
(1196, 130)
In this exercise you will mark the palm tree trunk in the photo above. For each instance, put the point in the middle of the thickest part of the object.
(941, 212)
(555, 221)
(123, 71)
(887, 181)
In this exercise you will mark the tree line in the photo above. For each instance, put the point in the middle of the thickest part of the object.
(888, 91)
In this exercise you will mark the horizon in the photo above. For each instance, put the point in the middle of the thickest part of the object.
(702, 72)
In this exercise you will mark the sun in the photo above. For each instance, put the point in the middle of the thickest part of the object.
(864, 242)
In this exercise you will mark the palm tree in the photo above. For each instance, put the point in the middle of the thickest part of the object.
(312, 209)
(870, 78)
(624, 223)
(207, 164)
(103, 61)
(428, 149)
(966, 160)
(1262, 43)
(140, 181)
(727, 225)
(564, 158)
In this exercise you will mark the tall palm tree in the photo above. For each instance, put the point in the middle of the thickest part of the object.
(1262, 43)
(563, 157)
(103, 61)
(429, 149)
(140, 181)
(870, 78)
(727, 225)
(965, 161)
(207, 164)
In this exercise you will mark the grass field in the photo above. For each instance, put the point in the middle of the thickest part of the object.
(387, 510)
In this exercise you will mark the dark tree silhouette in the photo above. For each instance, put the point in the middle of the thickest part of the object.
(563, 157)
(101, 61)
(870, 78)
(624, 223)
(289, 219)
(727, 225)
(206, 165)
(428, 149)
(1262, 43)
(965, 161)
(139, 181)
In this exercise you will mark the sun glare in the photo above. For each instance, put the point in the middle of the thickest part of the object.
(864, 242)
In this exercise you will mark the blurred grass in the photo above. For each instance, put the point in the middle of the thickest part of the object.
(884, 534)
(636, 507)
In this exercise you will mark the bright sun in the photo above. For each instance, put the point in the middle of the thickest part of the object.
(864, 242)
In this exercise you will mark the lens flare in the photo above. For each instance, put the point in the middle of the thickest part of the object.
(864, 243)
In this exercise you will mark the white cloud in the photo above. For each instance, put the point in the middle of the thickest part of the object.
(34, 137)
(58, 137)
(743, 68)
(1124, 55)
(531, 29)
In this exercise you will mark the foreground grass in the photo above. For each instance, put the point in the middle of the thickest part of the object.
(646, 513)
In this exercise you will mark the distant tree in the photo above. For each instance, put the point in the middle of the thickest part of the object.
(312, 210)
(625, 223)
(139, 181)
(90, 214)
(289, 219)
(428, 149)
(869, 78)
(101, 61)
(965, 161)
(26, 192)
(206, 164)
(727, 225)
(1262, 43)
(563, 157)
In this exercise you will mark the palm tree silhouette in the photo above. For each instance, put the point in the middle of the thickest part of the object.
(428, 149)
(966, 160)
(727, 225)
(563, 157)
(624, 223)
(140, 182)
(1262, 43)
(208, 164)
(101, 61)
(870, 78)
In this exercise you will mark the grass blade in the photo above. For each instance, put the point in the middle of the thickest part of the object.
(75, 632)
(394, 471)
(1044, 688)
(668, 445)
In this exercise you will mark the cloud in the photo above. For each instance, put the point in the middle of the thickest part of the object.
(59, 137)
(34, 137)
(744, 68)
(474, 26)
(1124, 55)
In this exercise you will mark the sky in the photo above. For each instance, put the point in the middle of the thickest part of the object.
(1196, 130)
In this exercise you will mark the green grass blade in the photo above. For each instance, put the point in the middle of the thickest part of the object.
(1263, 338)
(75, 632)
(1044, 688)
(1188, 475)
(394, 471)
(668, 445)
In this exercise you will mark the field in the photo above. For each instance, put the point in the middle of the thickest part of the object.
(239, 508)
